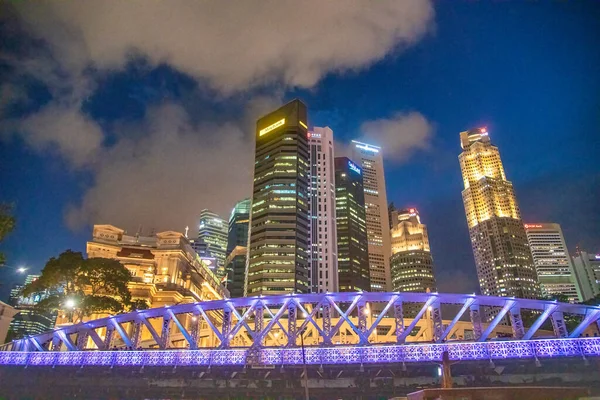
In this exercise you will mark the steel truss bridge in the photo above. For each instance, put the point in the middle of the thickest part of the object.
(319, 329)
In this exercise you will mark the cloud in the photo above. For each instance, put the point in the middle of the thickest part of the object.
(233, 45)
(166, 173)
(400, 136)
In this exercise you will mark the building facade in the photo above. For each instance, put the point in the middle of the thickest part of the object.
(352, 241)
(165, 268)
(212, 238)
(500, 247)
(7, 314)
(553, 264)
(587, 273)
(28, 320)
(279, 222)
(411, 262)
(370, 159)
(323, 235)
(237, 242)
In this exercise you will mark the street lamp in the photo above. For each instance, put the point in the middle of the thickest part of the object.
(70, 303)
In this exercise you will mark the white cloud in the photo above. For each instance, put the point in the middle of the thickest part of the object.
(400, 136)
(234, 45)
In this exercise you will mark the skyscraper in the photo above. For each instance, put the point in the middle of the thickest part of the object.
(378, 229)
(279, 222)
(212, 237)
(28, 321)
(237, 242)
(322, 210)
(352, 243)
(411, 262)
(587, 273)
(502, 255)
(553, 264)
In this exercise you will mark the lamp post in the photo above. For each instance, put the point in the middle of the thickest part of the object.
(306, 395)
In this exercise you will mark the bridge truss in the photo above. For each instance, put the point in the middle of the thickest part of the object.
(328, 328)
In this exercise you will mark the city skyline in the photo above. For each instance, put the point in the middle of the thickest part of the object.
(446, 82)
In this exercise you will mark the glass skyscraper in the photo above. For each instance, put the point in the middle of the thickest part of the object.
(502, 255)
(352, 243)
(212, 237)
(237, 242)
(279, 221)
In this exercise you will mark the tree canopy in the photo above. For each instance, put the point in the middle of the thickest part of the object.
(7, 224)
(82, 287)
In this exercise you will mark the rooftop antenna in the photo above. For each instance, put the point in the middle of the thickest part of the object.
(187, 228)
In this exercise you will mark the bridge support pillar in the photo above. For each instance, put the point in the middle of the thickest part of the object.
(258, 323)
(558, 324)
(517, 322)
(476, 321)
(195, 329)
(436, 318)
(326, 323)
(108, 337)
(363, 313)
(82, 339)
(291, 334)
(165, 335)
(399, 319)
(56, 343)
(136, 334)
(226, 328)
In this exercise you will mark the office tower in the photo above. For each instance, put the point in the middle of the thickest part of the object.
(587, 273)
(7, 313)
(411, 263)
(553, 264)
(237, 242)
(378, 228)
(502, 255)
(279, 222)
(352, 243)
(323, 273)
(28, 321)
(212, 237)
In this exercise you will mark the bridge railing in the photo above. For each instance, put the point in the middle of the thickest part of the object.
(319, 320)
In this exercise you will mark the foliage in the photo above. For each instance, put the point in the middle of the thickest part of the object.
(7, 224)
(82, 287)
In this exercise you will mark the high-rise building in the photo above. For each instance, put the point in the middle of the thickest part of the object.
(587, 273)
(237, 242)
(378, 228)
(352, 242)
(7, 313)
(553, 264)
(411, 262)
(212, 237)
(502, 255)
(28, 321)
(323, 273)
(279, 223)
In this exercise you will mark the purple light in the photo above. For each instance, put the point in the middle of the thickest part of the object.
(523, 349)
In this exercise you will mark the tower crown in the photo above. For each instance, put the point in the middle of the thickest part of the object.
(474, 135)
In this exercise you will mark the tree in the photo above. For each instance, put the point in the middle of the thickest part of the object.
(82, 287)
(7, 224)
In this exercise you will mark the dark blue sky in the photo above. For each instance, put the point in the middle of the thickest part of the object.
(527, 71)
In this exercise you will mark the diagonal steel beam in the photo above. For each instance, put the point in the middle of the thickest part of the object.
(242, 320)
(122, 332)
(96, 338)
(66, 340)
(337, 326)
(273, 321)
(343, 316)
(181, 328)
(417, 318)
(309, 317)
(507, 306)
(209, 323)
(591, 316)
(540, 321)
(151, 329)
(456, 318)
(381, 315)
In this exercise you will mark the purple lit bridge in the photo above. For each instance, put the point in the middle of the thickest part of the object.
(320, 329)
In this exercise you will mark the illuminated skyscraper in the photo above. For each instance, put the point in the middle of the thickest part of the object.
(324, 264)
(502, 255)
(279, 221)
(352, 243)
(587, 273)
(553, 264)
(378, 228)
(212, 237)
(411, 262)
(237, 242)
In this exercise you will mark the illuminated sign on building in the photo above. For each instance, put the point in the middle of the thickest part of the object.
(314, 135)
(368, 148)
(354, 167)
(269, 128)
(303, 124)
(530, 226)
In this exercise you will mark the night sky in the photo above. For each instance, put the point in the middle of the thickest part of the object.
(140, 119)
